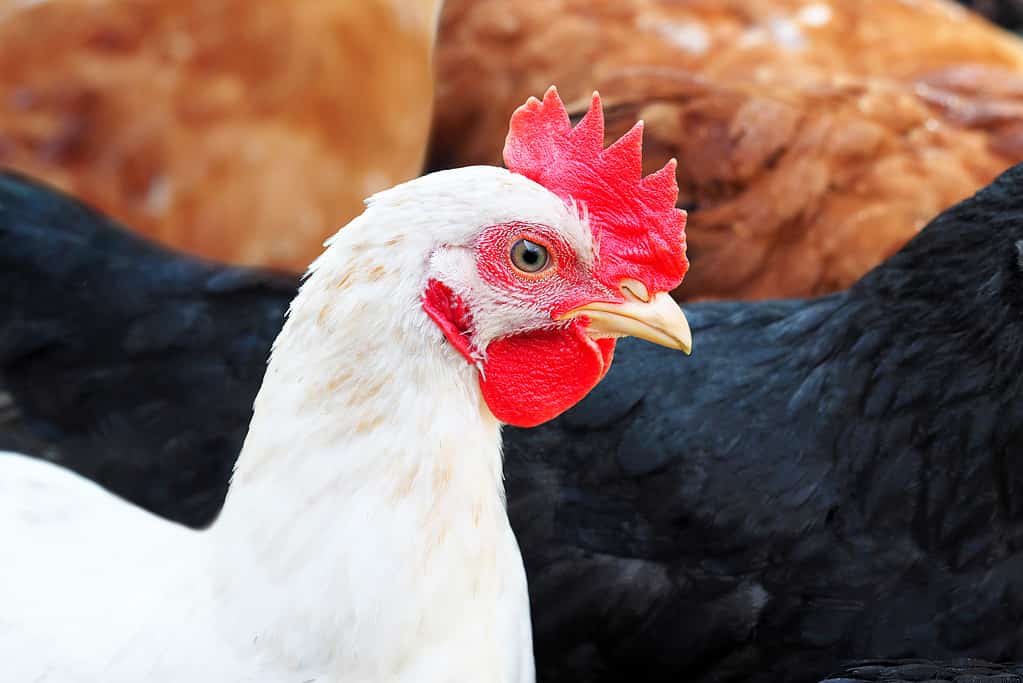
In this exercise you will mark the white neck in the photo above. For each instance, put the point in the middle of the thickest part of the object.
(365, 520)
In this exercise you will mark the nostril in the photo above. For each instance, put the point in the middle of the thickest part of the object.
(634, 289)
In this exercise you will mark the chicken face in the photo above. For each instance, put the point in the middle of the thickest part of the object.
(537, 306)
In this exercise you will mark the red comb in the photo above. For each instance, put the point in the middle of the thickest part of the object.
(639, 232)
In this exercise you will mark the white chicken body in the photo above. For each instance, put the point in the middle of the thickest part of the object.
(364, 537)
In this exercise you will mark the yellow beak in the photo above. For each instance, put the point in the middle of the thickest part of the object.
(656, 319)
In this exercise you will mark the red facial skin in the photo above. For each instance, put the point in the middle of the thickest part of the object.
(531, 377)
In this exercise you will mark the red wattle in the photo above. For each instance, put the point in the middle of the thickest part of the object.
(532, 378)
(451, 316)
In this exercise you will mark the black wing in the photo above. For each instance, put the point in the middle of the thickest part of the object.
(766, 509)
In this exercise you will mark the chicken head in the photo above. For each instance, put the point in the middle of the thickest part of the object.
(536, 305)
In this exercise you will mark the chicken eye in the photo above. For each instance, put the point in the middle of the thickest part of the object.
(529, 257)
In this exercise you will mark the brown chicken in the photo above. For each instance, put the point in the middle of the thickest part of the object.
(239, 130)
(813, 138)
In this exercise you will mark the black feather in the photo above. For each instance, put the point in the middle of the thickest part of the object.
(127, 362)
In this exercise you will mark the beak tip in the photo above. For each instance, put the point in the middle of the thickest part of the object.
(686, 338)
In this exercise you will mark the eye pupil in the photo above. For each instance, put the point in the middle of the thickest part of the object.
(529, 257)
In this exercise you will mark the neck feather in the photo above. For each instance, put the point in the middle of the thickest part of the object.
(370, 460)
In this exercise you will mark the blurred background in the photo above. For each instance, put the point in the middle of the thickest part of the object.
(813, 137)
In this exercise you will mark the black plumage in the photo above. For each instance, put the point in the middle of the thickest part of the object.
(127, 362)
(822, 480)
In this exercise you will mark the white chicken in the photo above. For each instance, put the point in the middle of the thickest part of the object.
(364, 536)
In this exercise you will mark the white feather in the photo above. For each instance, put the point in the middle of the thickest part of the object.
(364, 537)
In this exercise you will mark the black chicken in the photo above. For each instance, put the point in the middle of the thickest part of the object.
(822, 480)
